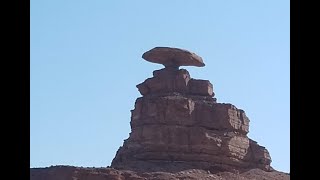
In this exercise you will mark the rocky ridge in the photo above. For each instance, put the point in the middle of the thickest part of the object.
(81, 173)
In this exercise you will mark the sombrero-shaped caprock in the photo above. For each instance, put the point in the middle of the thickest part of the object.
(173, 57)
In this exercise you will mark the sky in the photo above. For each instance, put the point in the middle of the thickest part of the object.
(85, 63)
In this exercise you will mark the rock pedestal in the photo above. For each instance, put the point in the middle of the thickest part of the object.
(177, 124)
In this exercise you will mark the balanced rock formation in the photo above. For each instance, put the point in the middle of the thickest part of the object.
(179, 131)
(177, 124)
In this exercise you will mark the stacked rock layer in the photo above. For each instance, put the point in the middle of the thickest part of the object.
(178, 125)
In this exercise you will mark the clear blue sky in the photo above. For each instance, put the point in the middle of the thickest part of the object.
(86, 61)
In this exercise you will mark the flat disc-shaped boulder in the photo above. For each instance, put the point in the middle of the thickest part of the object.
(173, 57)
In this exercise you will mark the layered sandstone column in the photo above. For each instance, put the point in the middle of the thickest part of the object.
(177, 123)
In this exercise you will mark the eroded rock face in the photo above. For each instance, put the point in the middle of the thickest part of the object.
(189, 132)
(178, 125)
(168, 80)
